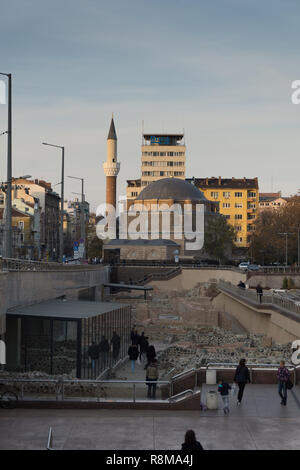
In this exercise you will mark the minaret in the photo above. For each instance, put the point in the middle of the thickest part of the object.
(111, 167)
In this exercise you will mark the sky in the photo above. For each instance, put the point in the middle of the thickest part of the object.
(220, 69)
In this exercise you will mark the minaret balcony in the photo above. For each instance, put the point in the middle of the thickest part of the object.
(111, 168)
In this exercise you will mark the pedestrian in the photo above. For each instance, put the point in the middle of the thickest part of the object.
(259, 292)
(224, 388)
(151, 378)
(115, 341)
(241, 377)
(151, 353)
(133, 354)
(283, 376)
(143, 345)
(93, 353)
(104, 350)
(190, 442)
(134, 336)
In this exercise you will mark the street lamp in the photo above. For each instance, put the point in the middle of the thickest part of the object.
(8, 216)
(82, 221)
(286, 244)
(61, 226)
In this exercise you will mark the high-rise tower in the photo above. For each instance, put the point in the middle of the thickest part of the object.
(111, 167)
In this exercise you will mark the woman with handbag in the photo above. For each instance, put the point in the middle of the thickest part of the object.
(241, 377)
(283, 377)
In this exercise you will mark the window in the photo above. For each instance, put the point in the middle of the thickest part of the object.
(238, 205)
(238, 194)
(238, 228)
(238, 239)
(214, 194)
(226, 205)
(21, 225)
(251, 194)
(250, 228)
(227, 216)
(250, 216)
(251, 205)
(226, 194)
(238, 216)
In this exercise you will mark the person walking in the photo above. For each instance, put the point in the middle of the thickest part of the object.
(190, 442)
(224, 388)
(259, 292)
(104, 350)
(283, 376)
(133, 354)
(115, 341)
(143, 345)
(134, 336)
(151, 353)
(151, 378)
(241, 377)
(93, 353)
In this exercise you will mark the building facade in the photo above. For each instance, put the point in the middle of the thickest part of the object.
(162, 156)
(269, 201)
(238, 201)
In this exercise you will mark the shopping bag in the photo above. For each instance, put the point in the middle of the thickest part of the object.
(233, 389)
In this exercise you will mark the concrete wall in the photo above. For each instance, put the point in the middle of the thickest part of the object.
(189, 278)
(274, 281)
(28, 287)
(280, 327)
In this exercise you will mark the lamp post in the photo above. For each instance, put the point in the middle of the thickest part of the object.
(61, 226)
(82, 218)
(8, 217)
(286, 244)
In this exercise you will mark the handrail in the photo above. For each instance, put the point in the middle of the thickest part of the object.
(16, 264)
(50, 440)
(253, 366)
(189, 390)
(183, 373)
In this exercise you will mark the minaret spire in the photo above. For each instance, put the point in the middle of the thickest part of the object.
(111, 167)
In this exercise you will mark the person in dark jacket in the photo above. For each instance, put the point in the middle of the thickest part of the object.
(93, 353)
(259, 292)
(134, 336)
(115, 341)
(133, 354)
(241, 377)
(190, 442)
(104, 350)
(282, 377)
(151, 353)
(224, 388)
(143, 345)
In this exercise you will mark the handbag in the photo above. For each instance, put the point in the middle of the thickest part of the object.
(289, 384)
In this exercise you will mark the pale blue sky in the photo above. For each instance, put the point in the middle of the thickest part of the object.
(221, 69)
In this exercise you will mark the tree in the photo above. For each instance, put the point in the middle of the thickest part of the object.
(218, 238)
(267, 245)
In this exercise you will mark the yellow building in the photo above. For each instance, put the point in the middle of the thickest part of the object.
(238, 202)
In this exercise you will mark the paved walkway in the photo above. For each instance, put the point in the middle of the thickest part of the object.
(259, 423)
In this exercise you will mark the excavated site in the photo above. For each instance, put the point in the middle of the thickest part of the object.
(190, 333)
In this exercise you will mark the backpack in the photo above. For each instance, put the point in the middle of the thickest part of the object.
(152, 372)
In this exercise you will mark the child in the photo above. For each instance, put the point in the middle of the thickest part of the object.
(223, 388)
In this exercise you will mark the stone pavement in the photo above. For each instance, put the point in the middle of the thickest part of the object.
(259, 423)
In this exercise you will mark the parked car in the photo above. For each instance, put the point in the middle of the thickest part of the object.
(244, 266)
(253, 267)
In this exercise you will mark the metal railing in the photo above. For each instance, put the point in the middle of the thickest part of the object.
(269, 297)
(252, 366)
(50, 440)
(15, 264)
(182, 374)
(181, 394)
(61, 383)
